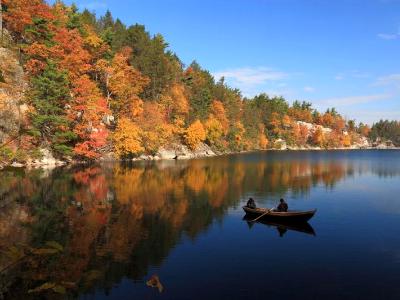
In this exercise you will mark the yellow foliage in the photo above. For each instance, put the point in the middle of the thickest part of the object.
(218, 110)
(275, 123)
(124, 84)
(127, 138)
(286, 121)
(240, 131)
(318, 137)
(195, 134)
(92, 39)
(263, 141)
(214, 129)
(346, 140)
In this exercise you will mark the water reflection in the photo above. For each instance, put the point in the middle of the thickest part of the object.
(282, 227)
(117, 221)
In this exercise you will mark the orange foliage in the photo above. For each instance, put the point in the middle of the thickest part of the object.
(275, 123)
(175, 103)
(262, 139)
(127, 138)
(124, 84)
(88, 108)
(300, 134)
(327, 120)
(346, 140)
(20, 13)
(218, 110)
(287, 121)
(195, 134)
(318, 137)
(365, 130)
(74, 58)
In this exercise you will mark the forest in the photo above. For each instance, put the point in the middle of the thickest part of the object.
(93, 85)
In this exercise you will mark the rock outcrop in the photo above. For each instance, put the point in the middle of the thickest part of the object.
(12, 86)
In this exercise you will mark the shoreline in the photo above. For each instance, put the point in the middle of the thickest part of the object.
(191, 156)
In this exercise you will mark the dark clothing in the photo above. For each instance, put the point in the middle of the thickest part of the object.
(251, 203)
(282, 207)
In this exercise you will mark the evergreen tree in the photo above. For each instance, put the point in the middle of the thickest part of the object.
(50, 96)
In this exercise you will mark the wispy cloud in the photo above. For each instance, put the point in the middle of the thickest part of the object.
(389, 36)
(94, 5)
(392, 79)
(309, 89)
(339, 77)
(251, 76)
(253, 80)
(353, 100)
(352, 74)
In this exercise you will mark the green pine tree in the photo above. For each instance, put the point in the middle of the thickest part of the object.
(50, 95)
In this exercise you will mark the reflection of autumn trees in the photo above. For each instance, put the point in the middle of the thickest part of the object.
(116, 221)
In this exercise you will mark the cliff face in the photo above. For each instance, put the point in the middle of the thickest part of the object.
(12, 86)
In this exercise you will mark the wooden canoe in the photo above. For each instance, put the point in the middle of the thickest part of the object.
(289, 216)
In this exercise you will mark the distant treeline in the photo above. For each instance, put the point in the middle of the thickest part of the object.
(386, 130)
(96, 85)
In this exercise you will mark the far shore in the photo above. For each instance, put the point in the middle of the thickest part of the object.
(193, 155)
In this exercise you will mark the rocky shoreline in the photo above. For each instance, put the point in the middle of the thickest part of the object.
(175, 152)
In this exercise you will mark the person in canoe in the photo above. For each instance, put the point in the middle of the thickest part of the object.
(251, 203)
(283, 206)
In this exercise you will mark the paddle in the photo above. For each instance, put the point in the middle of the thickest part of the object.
(261, 215)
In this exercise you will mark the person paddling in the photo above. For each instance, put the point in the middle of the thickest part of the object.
(251, 203)
(283, 206)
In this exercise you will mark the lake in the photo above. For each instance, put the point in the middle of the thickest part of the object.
(104, 231)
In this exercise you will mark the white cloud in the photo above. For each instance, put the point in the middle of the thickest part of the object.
(309, 89)
(251, 76)
(353, 100)
(388, 36)
(252, 81)
(392, 79)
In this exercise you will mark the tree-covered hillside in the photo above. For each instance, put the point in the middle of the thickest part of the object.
(95, 85)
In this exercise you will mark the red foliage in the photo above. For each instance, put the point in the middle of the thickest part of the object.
(20, 13)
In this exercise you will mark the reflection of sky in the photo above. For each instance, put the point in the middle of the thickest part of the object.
(354, 255)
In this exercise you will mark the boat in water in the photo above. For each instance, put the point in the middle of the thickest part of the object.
(288, 216)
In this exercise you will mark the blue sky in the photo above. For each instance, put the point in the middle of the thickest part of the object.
(342, 53)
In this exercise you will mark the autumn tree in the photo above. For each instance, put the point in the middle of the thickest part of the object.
(318, 137)
(127, 139)
(218, 111)
(195, 134)
(123, 84)
(262, 138)
(176, 104)
(214, 130)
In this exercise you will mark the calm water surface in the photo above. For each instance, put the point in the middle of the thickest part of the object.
(101, 232)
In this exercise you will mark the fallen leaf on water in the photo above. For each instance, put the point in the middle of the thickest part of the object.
(55, 245)
(59, 289)
(44, 251)
(154, 282)
(43, 287)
